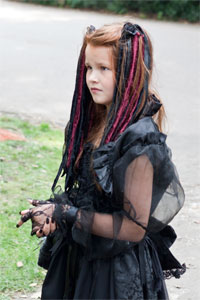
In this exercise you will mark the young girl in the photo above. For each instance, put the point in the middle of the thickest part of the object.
(107, 233)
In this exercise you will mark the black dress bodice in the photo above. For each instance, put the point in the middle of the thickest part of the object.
(86, 193)
(93, 267)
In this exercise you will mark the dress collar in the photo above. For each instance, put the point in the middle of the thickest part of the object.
(152, 107)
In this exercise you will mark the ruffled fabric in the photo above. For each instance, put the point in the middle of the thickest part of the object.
(140, 134)
(103, 159)
(125, 269)
(110, 163)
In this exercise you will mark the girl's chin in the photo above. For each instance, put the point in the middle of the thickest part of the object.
(101, 102)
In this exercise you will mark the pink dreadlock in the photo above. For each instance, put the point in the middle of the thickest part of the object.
(133, 65)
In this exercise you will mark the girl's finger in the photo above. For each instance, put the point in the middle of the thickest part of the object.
(46, 228)
(38, 202)
(39, 233)
(52, 225)
(30, 201)
(34, 202)
(25, 217)
(34, 230)
(23, 212)
(19, 223)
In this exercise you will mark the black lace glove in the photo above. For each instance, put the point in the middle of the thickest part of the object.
(38, 215)
(65, 215)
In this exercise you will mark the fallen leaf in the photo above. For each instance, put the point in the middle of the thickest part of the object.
(36, 295)
(33, 284)
(8, 135)
(20, 264)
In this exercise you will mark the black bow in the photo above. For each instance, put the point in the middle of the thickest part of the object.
(129, 30)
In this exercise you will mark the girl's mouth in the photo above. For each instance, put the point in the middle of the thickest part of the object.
(95, 90)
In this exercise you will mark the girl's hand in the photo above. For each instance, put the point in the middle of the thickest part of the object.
(41, 217)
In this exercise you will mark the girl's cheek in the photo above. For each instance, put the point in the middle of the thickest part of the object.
(87, 79)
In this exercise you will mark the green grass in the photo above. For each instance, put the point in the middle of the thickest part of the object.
(27, 170)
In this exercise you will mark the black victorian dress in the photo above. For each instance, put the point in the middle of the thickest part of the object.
(87, 266)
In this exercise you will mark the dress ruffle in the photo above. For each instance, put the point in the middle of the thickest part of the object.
(143, 133)
(103, 159)
(125, 269)
(110, 163)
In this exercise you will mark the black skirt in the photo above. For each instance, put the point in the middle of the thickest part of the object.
(134, 274)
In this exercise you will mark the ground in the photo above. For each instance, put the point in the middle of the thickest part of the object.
(40, 47)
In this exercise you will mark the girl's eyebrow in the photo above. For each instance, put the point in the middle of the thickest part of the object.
(103, 64)
(99, 64)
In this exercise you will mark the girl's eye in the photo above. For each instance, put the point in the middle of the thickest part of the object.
(104, 68)
(88, 67)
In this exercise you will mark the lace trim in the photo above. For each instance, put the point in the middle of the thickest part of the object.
(174, 272)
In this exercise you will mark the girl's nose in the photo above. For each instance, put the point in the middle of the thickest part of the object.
(93, 77)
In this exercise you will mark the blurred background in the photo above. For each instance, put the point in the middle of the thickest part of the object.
(39, 47)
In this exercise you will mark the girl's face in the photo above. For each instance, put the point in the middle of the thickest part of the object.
(100, 76)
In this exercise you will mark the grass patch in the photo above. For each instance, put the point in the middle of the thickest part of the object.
(27, 170)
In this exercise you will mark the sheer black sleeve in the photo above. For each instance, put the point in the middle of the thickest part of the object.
(130, 223)
(140, 181)
(138, 173)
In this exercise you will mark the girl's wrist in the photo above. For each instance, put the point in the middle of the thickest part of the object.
(65, 213)
(70, 213)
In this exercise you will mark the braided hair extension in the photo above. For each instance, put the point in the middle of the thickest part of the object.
(131, 102)
(124, 57)
(77, 125)
(125, 104)
(128, 101)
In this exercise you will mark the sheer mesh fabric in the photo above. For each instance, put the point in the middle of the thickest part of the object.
(170, 203)
(140, 189)
(130, 223)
